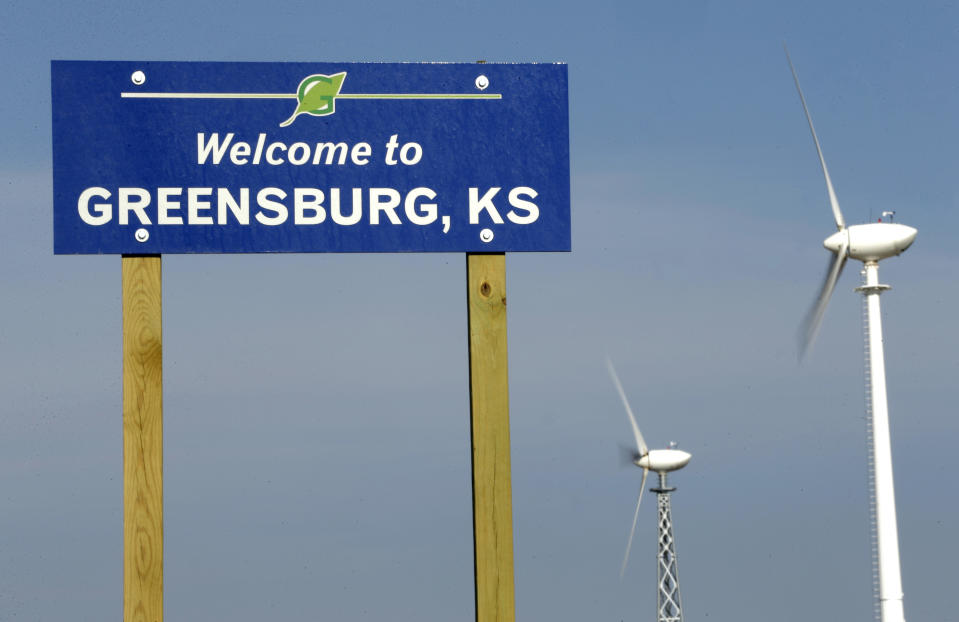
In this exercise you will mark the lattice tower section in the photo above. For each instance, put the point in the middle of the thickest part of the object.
(668, 601)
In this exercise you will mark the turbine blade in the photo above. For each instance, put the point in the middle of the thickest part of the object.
(632, 530)
(813, 319)
(628, 455)
(640, 443)
(833, 201)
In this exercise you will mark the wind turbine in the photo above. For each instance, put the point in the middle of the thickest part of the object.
(668, 604)
(869, 244)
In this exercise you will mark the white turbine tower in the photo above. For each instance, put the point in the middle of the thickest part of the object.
(869, 244)
(668, 604)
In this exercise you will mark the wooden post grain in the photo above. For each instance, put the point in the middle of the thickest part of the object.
(489, 422)
(142, 439)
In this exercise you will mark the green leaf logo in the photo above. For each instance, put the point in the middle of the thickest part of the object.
(316, 95)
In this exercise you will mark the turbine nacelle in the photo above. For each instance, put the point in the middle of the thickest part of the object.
(664, 460)
(873, 241)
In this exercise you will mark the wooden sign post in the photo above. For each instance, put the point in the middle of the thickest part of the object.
(489, 426)
(142, 439)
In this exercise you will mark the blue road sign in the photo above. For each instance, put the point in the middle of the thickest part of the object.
(191, 157)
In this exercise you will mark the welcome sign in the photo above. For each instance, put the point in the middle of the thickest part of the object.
(177, 157)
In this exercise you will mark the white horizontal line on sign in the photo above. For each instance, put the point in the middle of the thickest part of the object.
(210, 95)
(139, 95)
(419, 96)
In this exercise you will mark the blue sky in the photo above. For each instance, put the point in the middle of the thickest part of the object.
(316, 439)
